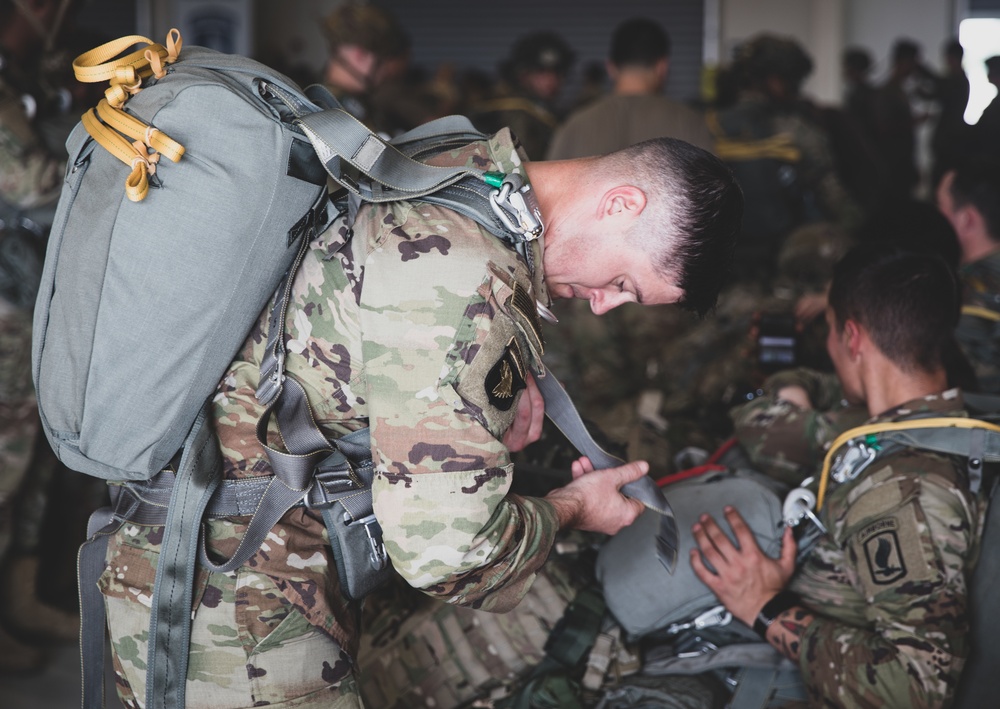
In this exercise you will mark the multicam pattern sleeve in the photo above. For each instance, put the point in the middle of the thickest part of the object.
(978, 331)
(448, 337)
(786, 441)
(889, 586)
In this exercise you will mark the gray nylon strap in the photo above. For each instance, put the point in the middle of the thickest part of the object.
(952, 441)
(272, 363)
(293, 473)
(90, 563)
(336, 134)
(444, 128)
(974, 463)
(170, 617)
(560, 409)
(754, 688)
(757, 655)
(471, 198)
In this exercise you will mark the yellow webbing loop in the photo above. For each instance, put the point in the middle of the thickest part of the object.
(158, 62)
(109, 123)
(97, 65)
(137, 130)
(939, 422)
(980, 312)
(132, 154)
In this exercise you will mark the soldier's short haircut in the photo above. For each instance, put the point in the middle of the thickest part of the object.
(639, 42)
(977, 184)
(857, 59)
(692, 216)
(907, 301)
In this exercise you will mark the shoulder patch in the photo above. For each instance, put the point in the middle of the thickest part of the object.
(892, 550)
(506, 378)
(883, 552)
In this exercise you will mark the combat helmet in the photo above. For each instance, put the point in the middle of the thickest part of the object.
(367, 26)
(772, 55)
(536, 52)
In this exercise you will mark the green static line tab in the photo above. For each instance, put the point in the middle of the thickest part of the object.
(872, 441)
(494, 179)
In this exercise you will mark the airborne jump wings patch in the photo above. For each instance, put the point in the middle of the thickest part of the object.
(506, 378)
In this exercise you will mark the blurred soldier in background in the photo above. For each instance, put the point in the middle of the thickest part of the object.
(969, 196)
(532, 79)
(780, 155)
(637, 109)
(30, 180)
(950, 90)
(897, 124)
(368, 48)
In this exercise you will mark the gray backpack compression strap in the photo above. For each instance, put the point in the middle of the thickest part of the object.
(196, 480)
(978, 445)
(560, 409)
(339, 138)
(198, 475)
(90, 563)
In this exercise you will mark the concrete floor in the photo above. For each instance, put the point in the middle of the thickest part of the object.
(57, 686)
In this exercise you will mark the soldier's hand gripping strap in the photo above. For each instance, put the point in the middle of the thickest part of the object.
(560, 409)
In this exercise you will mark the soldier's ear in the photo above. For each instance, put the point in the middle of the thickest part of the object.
(855, 336)
(623, 201)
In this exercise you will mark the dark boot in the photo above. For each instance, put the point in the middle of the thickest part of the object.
(24, 614)
(16, 657)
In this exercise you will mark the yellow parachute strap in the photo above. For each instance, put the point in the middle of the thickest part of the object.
(780, 146)
(980, 312)
(132, 154)
(137, 130)
(939, 422)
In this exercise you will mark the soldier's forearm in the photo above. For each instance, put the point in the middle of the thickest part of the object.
(786, 632)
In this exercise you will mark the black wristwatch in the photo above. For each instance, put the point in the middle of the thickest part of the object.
(781, 602)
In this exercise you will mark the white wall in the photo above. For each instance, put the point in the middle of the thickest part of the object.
(876, 24)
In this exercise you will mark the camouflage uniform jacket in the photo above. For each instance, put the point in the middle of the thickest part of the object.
(888, 584)
(786, 441)
(418, 329)
(979, 334)
(29, 175)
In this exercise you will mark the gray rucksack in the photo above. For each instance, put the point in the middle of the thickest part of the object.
(160, 290)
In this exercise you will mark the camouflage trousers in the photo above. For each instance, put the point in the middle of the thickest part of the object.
(249, 646)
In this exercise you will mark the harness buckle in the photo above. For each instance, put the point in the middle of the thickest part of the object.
(714, 616)
(856, 456)
(515, 197)
(322, 487)
(377, 554)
